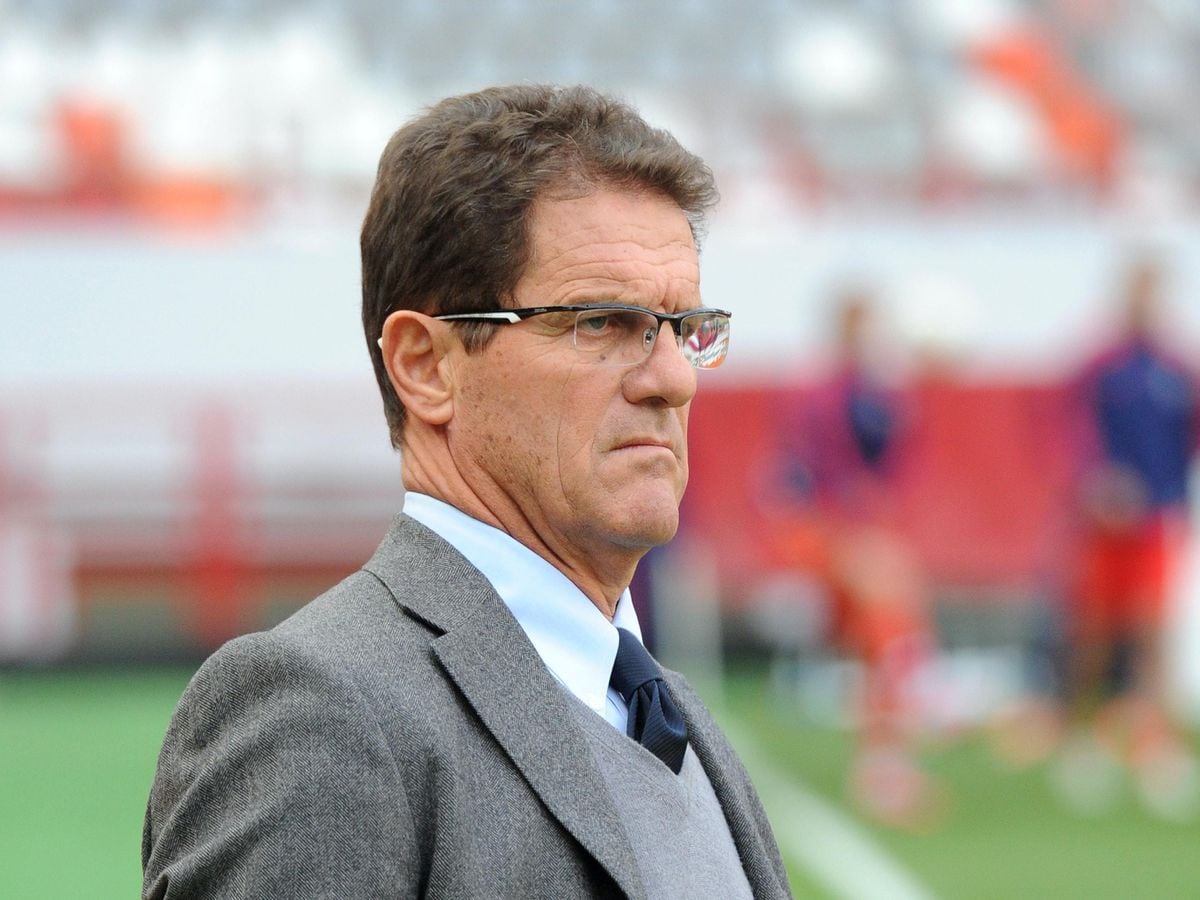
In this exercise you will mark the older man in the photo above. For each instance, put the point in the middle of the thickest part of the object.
(473, 714)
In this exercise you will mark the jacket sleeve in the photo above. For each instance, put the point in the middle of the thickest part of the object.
(275, 780)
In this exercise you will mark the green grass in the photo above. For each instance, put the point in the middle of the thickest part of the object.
(77, 753)
(1006, 835)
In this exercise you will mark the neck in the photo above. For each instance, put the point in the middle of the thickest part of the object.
(601, 577)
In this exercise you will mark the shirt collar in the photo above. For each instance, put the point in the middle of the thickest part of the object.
(577, 643)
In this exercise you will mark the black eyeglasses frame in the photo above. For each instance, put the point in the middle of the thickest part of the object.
(519, 314)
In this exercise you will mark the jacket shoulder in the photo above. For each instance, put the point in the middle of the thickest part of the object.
(302, 741)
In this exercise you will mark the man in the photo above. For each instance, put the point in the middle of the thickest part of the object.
(1140, 412)
(850, 455)
(442, 722)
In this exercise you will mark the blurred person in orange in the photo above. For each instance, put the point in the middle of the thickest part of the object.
(848, 455)
(473, 713)
(1138, 406)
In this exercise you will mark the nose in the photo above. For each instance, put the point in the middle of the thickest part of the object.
(664, 376)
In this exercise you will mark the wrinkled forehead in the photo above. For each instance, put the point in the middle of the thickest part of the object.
(633, 246)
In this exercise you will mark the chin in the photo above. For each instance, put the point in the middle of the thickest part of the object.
(652, 525)
(636, 513)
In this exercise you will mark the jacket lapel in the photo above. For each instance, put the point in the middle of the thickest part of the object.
(506, 684)
(486, 654)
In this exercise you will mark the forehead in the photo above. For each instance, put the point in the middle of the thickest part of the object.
(630, 245)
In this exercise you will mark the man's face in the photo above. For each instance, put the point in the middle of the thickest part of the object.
(592, 457)
(1142, 306)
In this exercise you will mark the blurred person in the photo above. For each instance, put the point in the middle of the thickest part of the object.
(1139, 408)
(473, 713)
(849, 457)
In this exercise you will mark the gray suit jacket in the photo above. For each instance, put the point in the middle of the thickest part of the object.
(399, 737)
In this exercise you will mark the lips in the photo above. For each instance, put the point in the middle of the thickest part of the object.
(646, 442)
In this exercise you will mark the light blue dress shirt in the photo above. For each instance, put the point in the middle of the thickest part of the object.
(575, 640)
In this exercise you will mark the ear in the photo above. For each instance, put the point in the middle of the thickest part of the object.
(414, 352)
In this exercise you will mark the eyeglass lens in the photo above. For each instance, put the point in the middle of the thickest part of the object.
(622, 337)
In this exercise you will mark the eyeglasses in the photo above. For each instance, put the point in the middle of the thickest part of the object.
(622, 335)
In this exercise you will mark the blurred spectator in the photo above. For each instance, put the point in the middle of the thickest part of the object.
(1140, 413)
(848, 462)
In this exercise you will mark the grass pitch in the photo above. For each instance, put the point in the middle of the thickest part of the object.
(1006, 834)
(77, 754)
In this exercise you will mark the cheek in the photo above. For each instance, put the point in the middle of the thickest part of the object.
(496, 428)
(580, 414)
(574, 446)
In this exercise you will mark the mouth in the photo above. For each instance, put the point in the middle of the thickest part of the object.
(648, 449)
(645, 443)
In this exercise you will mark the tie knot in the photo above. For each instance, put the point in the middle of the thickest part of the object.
(654, 721)
(634, 665)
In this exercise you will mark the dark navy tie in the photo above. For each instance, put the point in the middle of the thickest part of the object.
(655, 721)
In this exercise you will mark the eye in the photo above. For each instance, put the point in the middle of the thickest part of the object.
(594, 324)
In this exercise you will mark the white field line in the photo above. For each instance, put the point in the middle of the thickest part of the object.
(834, 850)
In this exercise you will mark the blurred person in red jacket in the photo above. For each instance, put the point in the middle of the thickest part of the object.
(847, 464)
(1139, 413)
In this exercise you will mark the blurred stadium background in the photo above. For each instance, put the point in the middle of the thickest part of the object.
(190, 448)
